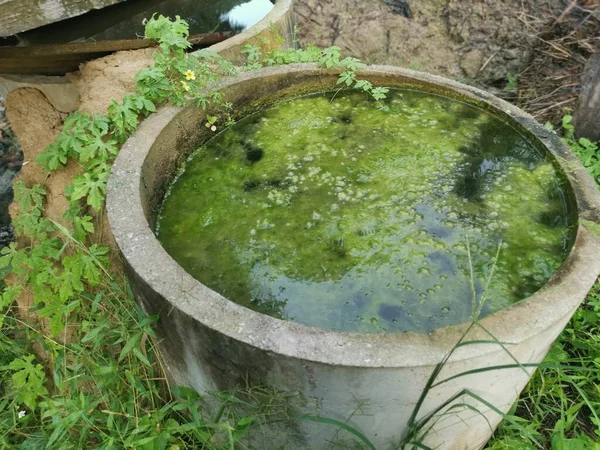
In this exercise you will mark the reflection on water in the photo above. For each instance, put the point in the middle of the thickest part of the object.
(124, 20)
(343, 216)
(247, 14)
(203, 16)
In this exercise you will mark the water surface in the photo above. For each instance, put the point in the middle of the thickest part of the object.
(340, 215)
(125, 20)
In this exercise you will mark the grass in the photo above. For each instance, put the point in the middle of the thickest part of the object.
(560, 408)
(106, 388)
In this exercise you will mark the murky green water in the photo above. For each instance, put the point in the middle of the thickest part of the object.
(339, 215)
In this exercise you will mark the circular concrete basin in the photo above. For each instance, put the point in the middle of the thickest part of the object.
(371, 381)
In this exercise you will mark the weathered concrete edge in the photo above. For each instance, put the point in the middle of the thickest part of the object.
(551, 305)
(280, 19)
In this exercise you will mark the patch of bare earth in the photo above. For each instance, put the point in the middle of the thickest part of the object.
(550, 85)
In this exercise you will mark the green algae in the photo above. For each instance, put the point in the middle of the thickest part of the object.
(340, 215)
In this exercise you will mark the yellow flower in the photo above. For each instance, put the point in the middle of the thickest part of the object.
(190, 75)
(185, 86)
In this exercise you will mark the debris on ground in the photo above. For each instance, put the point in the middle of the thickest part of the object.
(549, 87)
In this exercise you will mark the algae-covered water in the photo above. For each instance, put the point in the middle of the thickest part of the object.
(340, 215)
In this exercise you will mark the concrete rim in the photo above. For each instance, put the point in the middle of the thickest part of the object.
(146, 258)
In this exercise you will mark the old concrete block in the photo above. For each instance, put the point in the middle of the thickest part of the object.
(17, 16)
(587, 115)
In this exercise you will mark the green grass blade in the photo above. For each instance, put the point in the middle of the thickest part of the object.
(503, 347)
(482, 341)
(515, 366)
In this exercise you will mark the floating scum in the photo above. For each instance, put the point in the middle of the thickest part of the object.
(331, 212)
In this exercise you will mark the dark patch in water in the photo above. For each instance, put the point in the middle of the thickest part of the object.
(390, 312)
(468, 186)
(443, 261)
(253, 154)
(275, 182)
(346, 118)
(251, 185)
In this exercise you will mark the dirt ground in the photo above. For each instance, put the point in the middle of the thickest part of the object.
(542, 45)
(455, 38)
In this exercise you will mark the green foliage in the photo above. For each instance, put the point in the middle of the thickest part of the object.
(560, 406)
(586, 150)
(171, 34)
(254, 57)
(330, 57)
(107, 389)
(91, 188)
(27, 380)
(512, 82)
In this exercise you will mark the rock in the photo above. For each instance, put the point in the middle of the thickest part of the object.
(10, 164)
(471, 62)
(587, 114)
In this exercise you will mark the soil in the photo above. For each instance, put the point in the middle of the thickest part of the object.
(460, 39)
(37, 123)
(108, 78)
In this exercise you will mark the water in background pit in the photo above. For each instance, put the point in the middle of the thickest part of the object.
(124, 20)
(340, 215)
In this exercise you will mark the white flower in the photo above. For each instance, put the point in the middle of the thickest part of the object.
(21, 414)
(213, 128)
